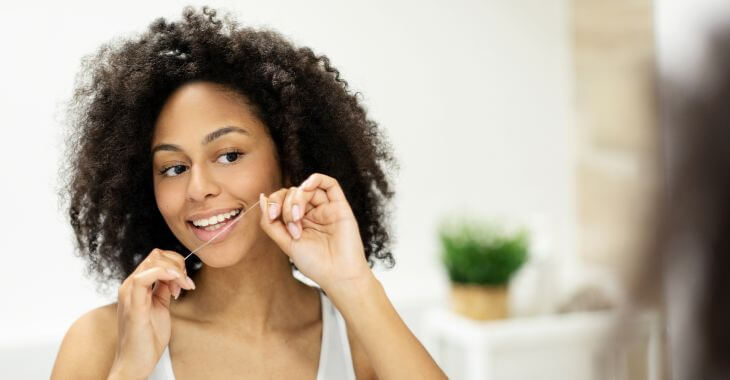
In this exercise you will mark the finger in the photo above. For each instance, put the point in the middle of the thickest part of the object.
(286, 207)
(328, 214)
(300, 202)
(163, 290)
(170, 264)
(293, 226)
(173, 288)
(278, 205)
(327, 183)
(177, 262)
(314, 198)
(149, 260)
(152, 259)
(176, 258)
(275, 200)
(274, 228)
(141, 284)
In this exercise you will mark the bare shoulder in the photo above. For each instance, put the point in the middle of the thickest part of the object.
(88, 348)
(363, 369)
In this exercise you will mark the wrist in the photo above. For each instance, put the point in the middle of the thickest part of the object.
(354, 290)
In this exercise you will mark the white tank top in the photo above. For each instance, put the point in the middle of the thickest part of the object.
(335, 359)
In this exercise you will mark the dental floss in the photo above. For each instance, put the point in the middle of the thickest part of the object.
(222, 230)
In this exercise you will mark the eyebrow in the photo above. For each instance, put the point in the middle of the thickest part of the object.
(206, 140)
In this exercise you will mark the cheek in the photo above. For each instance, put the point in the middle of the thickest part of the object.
(242, 187)
(169, 200)
(251, 179)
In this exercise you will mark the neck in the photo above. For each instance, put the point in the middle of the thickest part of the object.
(256, 294)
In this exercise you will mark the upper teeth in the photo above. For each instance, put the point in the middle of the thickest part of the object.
(215, 219)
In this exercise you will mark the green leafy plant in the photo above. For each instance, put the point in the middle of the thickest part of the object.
(476, 252)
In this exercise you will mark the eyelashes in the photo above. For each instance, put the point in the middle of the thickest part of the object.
(235, 153)
(164, 171)
(230, 157)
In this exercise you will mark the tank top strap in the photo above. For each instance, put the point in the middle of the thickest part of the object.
(163, 369)
(335, 359)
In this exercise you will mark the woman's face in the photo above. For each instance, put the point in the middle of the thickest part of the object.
(211, 157)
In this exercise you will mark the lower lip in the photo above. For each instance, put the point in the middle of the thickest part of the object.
(205, 236)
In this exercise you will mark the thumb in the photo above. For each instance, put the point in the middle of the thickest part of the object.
(274, 228)
(162, 292)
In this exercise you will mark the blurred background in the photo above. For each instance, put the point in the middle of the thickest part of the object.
(529, 113)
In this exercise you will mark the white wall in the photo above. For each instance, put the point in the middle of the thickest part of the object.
(474, 94)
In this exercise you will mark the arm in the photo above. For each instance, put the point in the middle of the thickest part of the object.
(393, 351)
(87, 350)
(314, 225)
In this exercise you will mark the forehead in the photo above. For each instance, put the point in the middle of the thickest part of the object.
(197, 108)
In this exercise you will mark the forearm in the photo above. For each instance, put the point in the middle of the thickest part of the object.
(393, 350)
(121, 372)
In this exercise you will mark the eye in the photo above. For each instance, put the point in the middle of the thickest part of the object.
(173, 171)
(229, 157)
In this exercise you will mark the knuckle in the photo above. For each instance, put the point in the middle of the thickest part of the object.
(172, 256)
(135, 280)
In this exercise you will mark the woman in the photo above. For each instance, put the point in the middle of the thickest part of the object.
(201, 134)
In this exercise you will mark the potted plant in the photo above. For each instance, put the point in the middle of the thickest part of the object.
(480, 258)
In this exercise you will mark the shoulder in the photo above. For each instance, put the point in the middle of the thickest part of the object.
(88, 348)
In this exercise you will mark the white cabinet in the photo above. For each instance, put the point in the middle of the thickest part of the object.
(579, 346)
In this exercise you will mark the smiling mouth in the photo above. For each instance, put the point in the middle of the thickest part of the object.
(207, 226)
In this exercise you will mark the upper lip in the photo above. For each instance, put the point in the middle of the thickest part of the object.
(208, 214)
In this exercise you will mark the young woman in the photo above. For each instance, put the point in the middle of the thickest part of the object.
(201, 134)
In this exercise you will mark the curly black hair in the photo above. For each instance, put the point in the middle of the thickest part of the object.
(316, 122)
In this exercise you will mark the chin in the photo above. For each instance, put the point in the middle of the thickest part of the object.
(221, 257)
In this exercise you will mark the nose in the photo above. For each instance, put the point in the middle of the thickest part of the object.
(202, 184)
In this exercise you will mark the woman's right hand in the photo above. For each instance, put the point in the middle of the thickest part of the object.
(143, 314)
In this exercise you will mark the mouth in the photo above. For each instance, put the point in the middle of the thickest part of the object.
(205, 230)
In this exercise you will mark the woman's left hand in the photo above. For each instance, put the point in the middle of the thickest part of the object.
(315, 226)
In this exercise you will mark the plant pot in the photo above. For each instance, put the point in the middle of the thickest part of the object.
(480, 302)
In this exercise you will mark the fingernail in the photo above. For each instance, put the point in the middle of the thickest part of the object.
(294, 230)
(176, 293)
(306, 182)
(172, 272)
(190, 281)
(295, 212)
(261, 201)
(273, 210)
